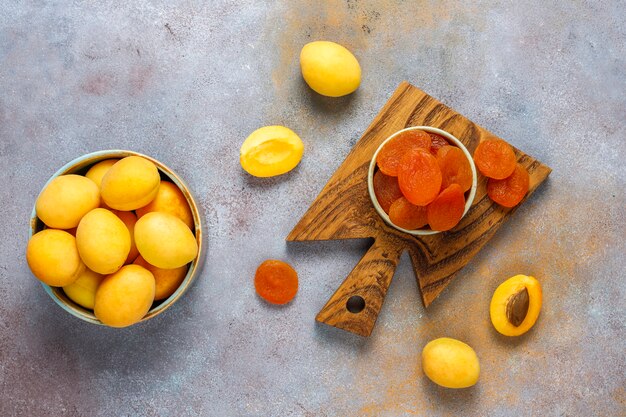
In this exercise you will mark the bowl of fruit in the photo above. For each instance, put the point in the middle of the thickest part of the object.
(422, 180)
(115, 238)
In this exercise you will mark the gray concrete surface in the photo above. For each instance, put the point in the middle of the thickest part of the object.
(186, 81)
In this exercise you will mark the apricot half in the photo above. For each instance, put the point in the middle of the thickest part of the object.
(515, 305)
(271, 151)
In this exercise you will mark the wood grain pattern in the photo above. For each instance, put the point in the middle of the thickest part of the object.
(343, 210)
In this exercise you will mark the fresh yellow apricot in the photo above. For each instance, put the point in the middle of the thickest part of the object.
(83, 290)
(169, 199)
(271, 151)
(97, 171)
(103, 241)
(167, 280)
(129, 218)
(450, 363)
(164, 240)
(132, 182)
(53, 257)
(329, 68)
(515, 305)
(124, 297)
(65, 200)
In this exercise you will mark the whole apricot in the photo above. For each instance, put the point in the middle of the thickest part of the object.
(124, 298)
(103, 241)
(169, 199)
(329, 68)
(164, 240)
(65, 200)
(167, 280)
(97, 171)
(131, 183)
(129, 218)
(450, 363)
(83, 290)
(53, 257)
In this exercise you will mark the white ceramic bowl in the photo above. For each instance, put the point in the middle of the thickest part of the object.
(469, 195)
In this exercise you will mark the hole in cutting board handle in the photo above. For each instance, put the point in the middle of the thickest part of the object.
(355, 304)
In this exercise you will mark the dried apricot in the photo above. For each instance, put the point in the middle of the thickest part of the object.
(511, 190)
(406, 215)
(437, 141)
(446, 211)
(495, 158)
(419, 177)
(389, 157)
(276, 281)
(386, 189)
(455, 168)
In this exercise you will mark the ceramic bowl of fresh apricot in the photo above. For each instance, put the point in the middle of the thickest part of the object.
(422, 180)
(115, 238)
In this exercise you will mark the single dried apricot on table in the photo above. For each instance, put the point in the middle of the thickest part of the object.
(419, 177)
(406, 215)
(437, 141)
(271, 151)
(447, 210)
(455, 168)
(391, 154)
(511, 190)
(495, 158)
(515, 305)
(276, 281)
(387, 190)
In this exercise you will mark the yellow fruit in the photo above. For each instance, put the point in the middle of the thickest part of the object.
(97, 171)
(515, 305)
(53, 257)
(103, 241)
(164, 240)
(329, 68)
(169, 199)
(270, 151)
(167, 280)
(450, 363)
(130, 183)
(65, 200)
(124, 297)
(83, 290)
(129, 218)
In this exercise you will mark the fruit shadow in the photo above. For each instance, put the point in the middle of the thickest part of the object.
(318, 103)
(260, 182)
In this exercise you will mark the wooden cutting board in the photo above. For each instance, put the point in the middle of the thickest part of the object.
(343, 210)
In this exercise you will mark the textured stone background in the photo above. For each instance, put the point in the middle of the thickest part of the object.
(186, 82)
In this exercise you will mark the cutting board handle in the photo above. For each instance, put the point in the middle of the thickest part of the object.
(355, 305)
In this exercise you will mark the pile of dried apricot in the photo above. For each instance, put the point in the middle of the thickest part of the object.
(422, 180)
(508, 180)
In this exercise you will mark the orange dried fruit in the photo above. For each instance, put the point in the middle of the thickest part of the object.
(446, 211)
(437, 141)
(387, 190)
(419, 177)
(406, 215)
(390, 155)
(455, 168)
(276, 281)
(495, 158)
(511, 190)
